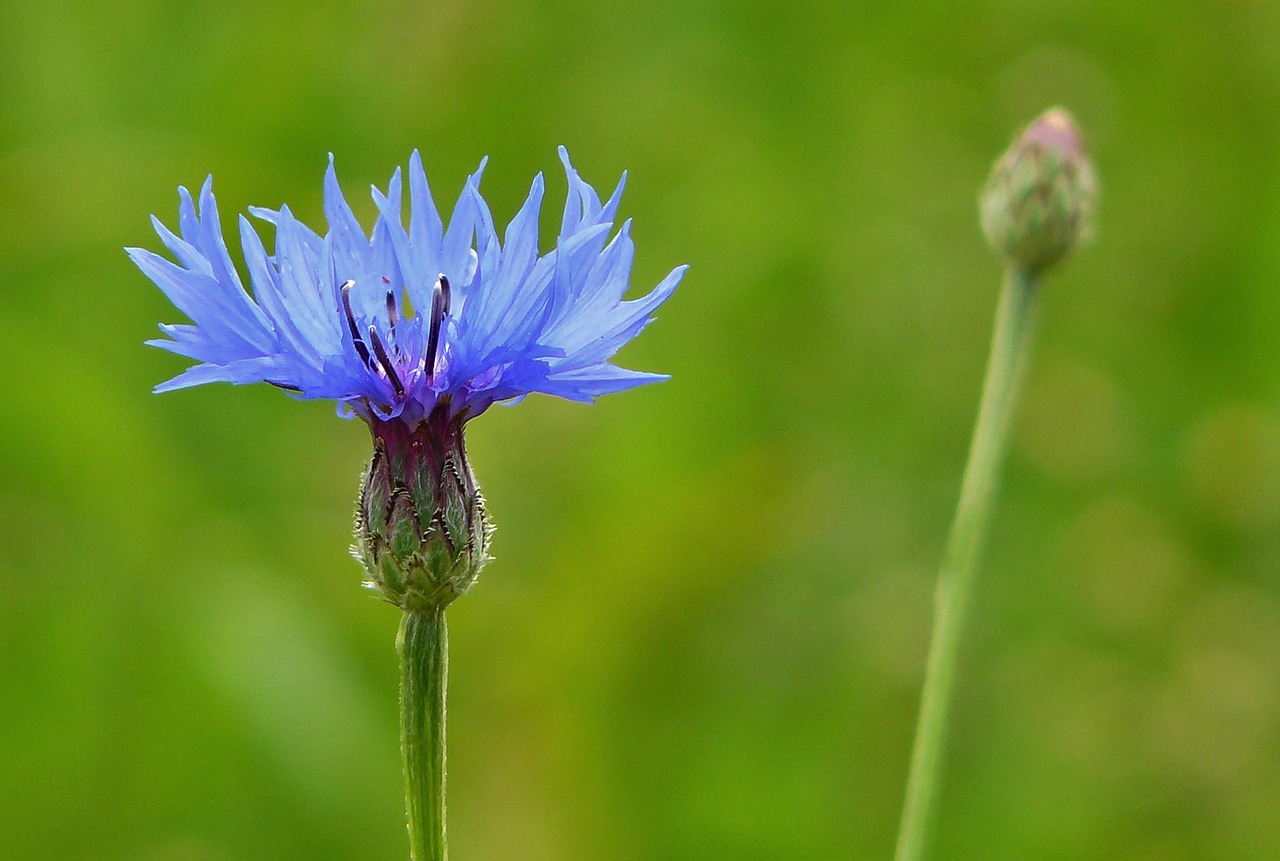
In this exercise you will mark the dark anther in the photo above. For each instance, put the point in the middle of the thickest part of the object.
(439, 307)
(361, 349)
(393, 317)
(393, 313)
(443, 283)
(385, 361)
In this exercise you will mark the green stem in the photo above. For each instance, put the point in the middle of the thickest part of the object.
(423, 645)
(1009, 349)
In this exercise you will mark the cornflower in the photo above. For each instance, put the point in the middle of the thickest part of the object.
(416, 330)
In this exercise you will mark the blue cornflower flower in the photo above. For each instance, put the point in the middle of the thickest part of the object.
(416, 330)
(330, 316)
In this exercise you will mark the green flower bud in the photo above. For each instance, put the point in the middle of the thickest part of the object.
(1038, 202)
(421, 531)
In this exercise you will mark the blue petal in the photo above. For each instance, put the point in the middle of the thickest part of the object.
(240, 371)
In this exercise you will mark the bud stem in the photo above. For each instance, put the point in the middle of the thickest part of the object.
(1009, 349)
(423, 645)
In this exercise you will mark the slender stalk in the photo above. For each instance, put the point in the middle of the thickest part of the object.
(1009, 348)
(423, 645)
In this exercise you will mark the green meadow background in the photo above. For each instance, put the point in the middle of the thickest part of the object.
(703, 634)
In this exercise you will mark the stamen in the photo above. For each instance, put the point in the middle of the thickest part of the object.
(393, 313)
(385, 361)
(439, 308)
(433, 333)
(361, 349)
(443, 283)
(393, 317)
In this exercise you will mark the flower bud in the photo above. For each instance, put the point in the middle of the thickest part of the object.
(421, 531)
(1038, 201)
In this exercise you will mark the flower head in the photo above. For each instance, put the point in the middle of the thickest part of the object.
(408, 320)
(416, 330)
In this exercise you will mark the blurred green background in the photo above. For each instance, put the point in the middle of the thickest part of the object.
(703, 634)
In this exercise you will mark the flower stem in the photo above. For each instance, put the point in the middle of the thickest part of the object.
(1009, 348)
(423, 645)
